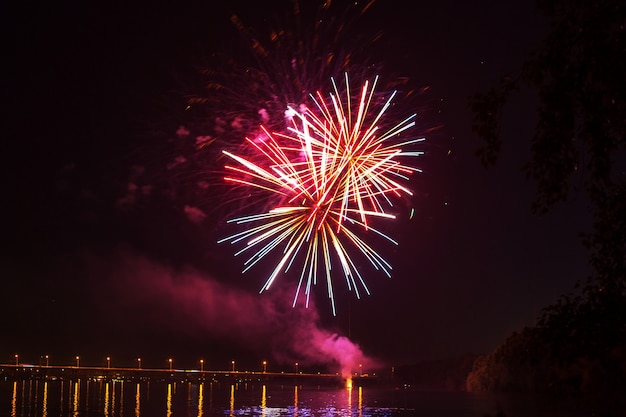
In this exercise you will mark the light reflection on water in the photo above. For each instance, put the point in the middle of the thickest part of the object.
(91, 398)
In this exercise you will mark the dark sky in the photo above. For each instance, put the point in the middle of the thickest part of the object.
(90, 87)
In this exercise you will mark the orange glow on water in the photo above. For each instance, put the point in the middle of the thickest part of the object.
(264, 399)
(76, 396)
(169, 400)
(200, 399)
(232, 400)
(106, 399)
(45, 400)
(14, 400)
(113, 399)
(295, 401)
(138, 400)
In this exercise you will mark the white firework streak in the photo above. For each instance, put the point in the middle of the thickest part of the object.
(335, 173)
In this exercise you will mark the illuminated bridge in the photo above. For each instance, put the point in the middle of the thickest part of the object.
(26, 371)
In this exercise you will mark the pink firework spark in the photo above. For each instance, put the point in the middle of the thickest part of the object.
(329, 173)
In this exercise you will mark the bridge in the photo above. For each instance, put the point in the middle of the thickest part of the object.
(54, 372)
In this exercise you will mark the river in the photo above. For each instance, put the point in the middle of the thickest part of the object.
(119, 398)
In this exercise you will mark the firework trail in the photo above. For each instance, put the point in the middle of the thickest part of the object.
(333, 170)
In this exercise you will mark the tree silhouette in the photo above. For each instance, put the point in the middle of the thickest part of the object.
(579, 142)
(578, 145)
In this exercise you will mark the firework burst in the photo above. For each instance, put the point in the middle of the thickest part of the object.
(319, 174)
(337, 166)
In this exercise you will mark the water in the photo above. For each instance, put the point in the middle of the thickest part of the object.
(90, 398)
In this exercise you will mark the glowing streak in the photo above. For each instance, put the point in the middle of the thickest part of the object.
(336, 175)
(355, 155)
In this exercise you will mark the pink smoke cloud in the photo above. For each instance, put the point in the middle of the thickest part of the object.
(186, 295)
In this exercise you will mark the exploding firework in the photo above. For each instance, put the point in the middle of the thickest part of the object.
(338, 166)
(321, 178)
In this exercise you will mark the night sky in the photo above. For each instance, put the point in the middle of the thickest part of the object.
(90, 91)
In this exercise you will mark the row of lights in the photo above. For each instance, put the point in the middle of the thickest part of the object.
(170, 361)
